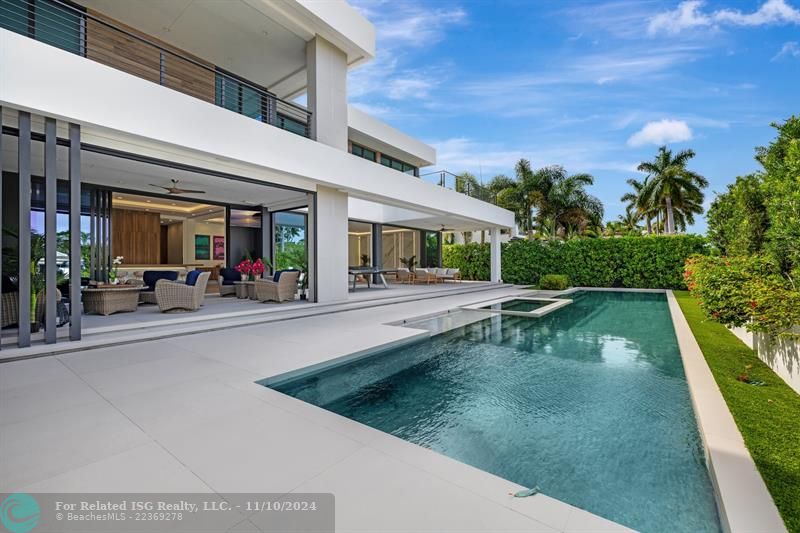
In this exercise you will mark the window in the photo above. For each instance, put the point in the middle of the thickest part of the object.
(366, 153)
(45, 21)
(405, 168)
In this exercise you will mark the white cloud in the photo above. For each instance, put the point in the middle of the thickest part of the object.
(690, 15)
(409, 23)
(790, 49)
(403, 88)
(661, 132)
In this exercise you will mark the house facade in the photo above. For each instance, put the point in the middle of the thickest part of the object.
(172, 133)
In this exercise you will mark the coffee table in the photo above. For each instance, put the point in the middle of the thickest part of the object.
(111, 299)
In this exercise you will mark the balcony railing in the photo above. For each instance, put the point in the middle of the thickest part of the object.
(457, 183)
(74, 29)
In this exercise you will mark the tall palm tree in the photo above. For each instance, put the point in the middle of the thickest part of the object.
(640, 204)
(565, 201)
(670, 182)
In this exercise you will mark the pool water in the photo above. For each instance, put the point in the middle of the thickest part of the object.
(590, 403)
(520, 306)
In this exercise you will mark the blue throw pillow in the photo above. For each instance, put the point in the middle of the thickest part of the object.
(191, 277)
(229, 275)
(151, 277)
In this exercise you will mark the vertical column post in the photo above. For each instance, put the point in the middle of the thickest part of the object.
(423, 248)
(50, 198)
(267, 239)
(75, 266)
(93, 270)
(311, 247)
(495, 255)
(1, 212)
(377, 250)
(24, 240)
(439, 239)
(228, 260)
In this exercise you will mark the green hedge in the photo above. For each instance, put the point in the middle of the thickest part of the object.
(641, 262)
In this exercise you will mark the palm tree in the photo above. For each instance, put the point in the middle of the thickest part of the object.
(640, 204)
(564, 201)
(671, 183)
(630, 222)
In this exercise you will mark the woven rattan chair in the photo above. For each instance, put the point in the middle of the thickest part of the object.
(171, 295)
(422, 275)
(10, 304)
(278, 291)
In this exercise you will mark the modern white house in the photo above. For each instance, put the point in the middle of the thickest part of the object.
(169, 133)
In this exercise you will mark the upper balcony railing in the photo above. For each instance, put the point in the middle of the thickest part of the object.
(461, 184)
(93, 36)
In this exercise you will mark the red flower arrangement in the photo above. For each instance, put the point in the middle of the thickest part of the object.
(251, 269)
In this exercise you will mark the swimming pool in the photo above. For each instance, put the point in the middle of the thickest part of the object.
(590, 403)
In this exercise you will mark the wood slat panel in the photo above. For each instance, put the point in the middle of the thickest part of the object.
(136, 236)
(115, 49)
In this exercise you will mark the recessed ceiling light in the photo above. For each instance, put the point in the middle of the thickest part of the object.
(148, 201)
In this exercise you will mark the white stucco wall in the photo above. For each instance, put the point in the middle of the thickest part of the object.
(782, 355)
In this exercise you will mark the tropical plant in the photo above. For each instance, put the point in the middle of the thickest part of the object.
(560, 202)
(737, 219)
(671, 185)
(409, 262)
(639, 204)
(37, 265)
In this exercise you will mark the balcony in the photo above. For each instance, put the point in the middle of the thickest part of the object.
(89, 34)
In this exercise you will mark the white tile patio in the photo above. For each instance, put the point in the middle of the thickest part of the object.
(184, 414)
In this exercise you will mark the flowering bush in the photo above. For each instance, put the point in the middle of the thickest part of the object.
(744, 291)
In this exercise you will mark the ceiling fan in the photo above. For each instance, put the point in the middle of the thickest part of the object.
(177, 190)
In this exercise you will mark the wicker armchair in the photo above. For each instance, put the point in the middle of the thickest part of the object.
(172, 295)
(10, 305)
(225, 280)
(278, 291)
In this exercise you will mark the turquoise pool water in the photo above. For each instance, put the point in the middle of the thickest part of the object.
(521, 306)
(590, 403)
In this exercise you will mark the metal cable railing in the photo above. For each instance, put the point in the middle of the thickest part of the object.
(71, 28)
(455, 182)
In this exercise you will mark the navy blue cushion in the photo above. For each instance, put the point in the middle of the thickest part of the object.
(229, 275)
(191, 277)
(150, 277)
(277, 276)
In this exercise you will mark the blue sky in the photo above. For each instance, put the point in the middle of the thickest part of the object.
(592, 86)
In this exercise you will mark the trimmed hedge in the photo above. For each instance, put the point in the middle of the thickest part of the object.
(639, 262)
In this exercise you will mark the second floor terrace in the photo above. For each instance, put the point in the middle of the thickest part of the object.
(247, 57)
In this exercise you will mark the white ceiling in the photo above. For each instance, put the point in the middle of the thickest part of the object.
(228, 33)
(117, 173)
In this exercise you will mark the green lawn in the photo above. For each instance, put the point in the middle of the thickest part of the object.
(768, 417)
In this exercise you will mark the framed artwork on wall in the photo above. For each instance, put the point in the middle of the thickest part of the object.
(219, 248)
(202, 247)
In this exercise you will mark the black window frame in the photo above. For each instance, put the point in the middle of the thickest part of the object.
(359, 151)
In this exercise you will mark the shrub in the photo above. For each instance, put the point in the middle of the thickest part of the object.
(745, 291)
(639, 262)
(554, 282)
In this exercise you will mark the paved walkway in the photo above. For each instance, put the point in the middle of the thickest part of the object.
(184, 415)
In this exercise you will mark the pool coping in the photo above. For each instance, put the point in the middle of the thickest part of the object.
(743, 501)
(553, 305)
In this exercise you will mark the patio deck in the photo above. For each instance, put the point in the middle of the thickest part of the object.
(184, 415)
(218, 312)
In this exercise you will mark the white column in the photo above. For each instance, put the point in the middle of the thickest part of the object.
(326, 66)
(495, 255)
(329, 219)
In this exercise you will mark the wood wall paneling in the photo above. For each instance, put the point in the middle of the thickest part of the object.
(136, 236)
(115, 49)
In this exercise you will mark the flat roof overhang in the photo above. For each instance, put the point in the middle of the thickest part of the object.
(120, 111)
